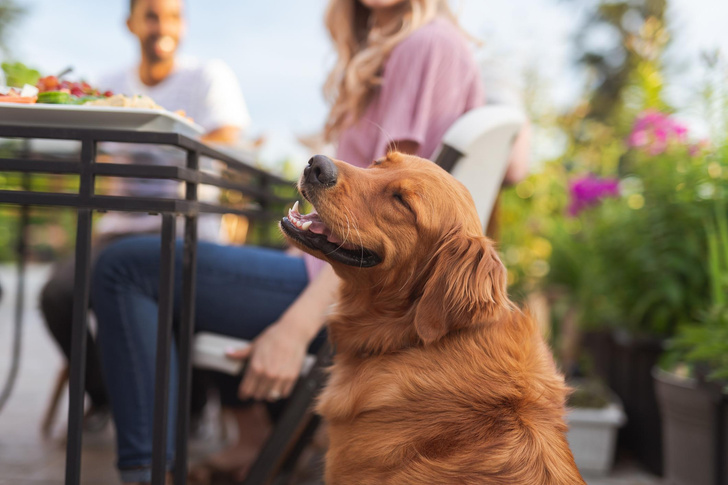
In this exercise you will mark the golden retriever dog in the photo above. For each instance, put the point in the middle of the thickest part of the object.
(438, 378)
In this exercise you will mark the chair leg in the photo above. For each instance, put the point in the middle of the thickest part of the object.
(291, 426)
(49, 417)
(288, 470)
(222, 423)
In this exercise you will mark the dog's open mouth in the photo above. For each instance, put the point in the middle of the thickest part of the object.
(310, 231)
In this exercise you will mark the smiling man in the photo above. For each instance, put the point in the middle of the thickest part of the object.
(207, 91)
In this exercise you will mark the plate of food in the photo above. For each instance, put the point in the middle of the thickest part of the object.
(52, 102)
(98, 117)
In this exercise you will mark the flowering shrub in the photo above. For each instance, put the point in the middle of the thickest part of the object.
(625, 244)
(654, 132)
(644, 269)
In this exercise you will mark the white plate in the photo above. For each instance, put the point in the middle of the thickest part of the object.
(99, 117)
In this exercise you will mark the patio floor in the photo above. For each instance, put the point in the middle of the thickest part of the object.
(26, 458)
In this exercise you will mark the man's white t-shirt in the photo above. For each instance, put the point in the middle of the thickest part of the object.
(208, 92)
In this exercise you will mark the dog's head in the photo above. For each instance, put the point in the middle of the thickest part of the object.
(402, 225)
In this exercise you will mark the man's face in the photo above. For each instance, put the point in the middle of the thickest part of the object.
(159, 26)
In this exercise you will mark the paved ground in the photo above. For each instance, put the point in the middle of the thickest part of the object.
(26, 458)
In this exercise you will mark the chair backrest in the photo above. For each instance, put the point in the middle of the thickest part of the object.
(476, 149)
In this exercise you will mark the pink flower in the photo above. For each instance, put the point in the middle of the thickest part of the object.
(589, 191)
(654, 132)
(638, 139)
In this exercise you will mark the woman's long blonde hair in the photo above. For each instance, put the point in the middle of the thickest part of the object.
(362, 52)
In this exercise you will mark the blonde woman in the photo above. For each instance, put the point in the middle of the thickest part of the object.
(404, 74)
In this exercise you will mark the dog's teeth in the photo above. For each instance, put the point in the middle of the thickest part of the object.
(306, 225)
(295, 207)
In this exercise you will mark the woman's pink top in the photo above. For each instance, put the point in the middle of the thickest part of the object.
(430, 79)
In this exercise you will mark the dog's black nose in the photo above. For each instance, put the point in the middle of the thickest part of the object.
(321, 170)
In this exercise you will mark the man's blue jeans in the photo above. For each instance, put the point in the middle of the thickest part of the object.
(240, 291)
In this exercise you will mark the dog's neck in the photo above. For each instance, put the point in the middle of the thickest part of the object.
(372, 322)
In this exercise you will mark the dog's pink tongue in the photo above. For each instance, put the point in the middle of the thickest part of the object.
(318, 227)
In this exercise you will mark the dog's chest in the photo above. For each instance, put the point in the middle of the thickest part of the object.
(356, 388)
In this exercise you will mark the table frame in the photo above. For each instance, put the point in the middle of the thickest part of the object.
(260, 189)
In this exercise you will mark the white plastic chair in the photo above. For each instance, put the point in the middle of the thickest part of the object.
(476, 150)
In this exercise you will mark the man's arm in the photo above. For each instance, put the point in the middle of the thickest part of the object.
(226, 135)
(225, 114)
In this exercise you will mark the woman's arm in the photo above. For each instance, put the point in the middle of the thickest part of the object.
(276, 355)
(520, 157)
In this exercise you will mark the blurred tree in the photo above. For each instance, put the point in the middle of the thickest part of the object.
(627, 32)
(10, 13)
(621, 43)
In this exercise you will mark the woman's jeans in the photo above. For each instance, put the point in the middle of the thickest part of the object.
(240, 291)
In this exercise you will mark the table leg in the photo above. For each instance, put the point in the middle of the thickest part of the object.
(78, 347)
(21, 253)
(186, 330)
(22, 257)
(164, 342)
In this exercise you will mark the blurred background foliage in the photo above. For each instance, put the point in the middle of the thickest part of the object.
(10, 13)
(634, 260)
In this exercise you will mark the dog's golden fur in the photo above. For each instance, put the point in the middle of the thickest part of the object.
(438, 378)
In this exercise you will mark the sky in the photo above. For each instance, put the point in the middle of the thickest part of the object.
(280, 51)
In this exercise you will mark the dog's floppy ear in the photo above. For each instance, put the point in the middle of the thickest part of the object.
(465, 282)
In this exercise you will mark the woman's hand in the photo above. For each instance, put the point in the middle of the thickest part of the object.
(274, 365)
(276, 355)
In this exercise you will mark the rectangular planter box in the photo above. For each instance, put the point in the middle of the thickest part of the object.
(593, 436)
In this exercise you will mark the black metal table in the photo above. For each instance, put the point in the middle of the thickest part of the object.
(262, 191)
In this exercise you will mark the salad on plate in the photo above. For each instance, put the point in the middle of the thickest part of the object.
(26, 85)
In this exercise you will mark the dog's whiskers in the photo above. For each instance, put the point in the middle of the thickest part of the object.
(391, 141)
(346, 237)
(356, 228)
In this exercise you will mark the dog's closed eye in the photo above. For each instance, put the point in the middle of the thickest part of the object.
(399, 197)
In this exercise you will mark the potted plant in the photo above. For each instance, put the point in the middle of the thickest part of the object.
(692, 385)
(634, 267)
(594, 416)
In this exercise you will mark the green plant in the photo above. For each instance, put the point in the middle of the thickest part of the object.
(589, 393)
(705, 342)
